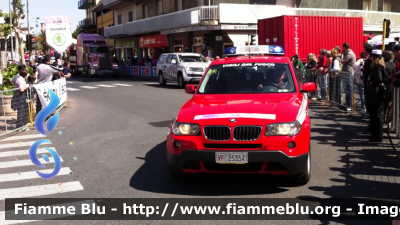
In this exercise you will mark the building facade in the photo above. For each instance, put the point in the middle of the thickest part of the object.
(97, 19)
(147, 28)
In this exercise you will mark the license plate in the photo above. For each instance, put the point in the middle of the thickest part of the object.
(231, 157)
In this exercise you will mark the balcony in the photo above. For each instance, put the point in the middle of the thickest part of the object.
(87, 24)
(85, 4)
(209, 15)
(116, 4)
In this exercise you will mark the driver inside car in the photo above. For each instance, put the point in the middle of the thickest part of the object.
(277, 78)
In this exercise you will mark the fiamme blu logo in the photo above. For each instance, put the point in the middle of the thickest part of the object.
(39, 126)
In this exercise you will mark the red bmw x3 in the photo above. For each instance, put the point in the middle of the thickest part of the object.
(247, 115)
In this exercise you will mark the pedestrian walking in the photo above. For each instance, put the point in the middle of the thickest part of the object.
(359, 82)
(367, 69)
(377, 95)
(349, 64)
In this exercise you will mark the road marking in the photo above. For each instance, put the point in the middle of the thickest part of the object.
(150, 83)
(70, 82)
(23, 152)
(11, 213)
(14, 145)
(103, 85)
(124, 85)
(26, 162)
(31, 191)
(31, 174)
(88, 87)
(73, 89)
(24, 137)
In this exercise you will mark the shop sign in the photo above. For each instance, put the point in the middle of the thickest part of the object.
(189, 29)
(238, 27)
(135, 71)
(129, 44)
(153, 41)
(118, 45)
(145, 71)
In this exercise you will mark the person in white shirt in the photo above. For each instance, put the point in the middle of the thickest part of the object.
(19, 99)
(14, 79)
(334, 68)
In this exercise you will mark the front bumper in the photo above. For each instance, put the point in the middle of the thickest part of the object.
(268, 162)
(102, 71)
(194, 77)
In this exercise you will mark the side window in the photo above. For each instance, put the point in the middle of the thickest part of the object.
(175, 57)
(169, 59)
(163, 59)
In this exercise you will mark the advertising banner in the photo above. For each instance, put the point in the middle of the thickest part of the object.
(155, 73)
(58, 32)
(124, 69)
(145, 71)
(153, 41)
(59, 87)
(135, 71)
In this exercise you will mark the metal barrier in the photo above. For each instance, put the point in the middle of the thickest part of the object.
(17, 110)
(394, 125)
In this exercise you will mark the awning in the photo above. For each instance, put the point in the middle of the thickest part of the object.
(240, 39)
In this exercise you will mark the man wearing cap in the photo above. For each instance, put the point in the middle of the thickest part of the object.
(377, 95)
(367, 69)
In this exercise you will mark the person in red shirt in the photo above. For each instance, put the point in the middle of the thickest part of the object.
(322, 75)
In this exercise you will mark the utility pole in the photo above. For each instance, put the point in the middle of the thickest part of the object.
(12, 47)
(28, 42)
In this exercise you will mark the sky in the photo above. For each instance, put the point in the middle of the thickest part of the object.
(42, 8)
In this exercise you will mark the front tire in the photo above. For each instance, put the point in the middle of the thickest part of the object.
(161, 79)
(181, 81)
(302, 178)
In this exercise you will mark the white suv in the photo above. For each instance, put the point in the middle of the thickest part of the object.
(181, 67)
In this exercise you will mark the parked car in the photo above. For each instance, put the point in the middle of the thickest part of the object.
(181, 67)
(247, 115)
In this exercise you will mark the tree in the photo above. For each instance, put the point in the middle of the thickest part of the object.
(41, 41)
(17, 14)
(5, 30)
(77, 31)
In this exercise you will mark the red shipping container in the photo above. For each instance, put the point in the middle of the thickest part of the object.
(308, 34)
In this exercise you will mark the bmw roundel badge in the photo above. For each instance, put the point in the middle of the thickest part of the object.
(233, 120)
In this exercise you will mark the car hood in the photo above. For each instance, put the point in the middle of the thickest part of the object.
(247, 109)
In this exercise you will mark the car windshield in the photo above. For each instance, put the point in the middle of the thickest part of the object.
(192, 58)
(248, 78)
(99, 50)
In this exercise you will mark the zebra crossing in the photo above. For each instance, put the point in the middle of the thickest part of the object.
(98, 86)
(18, 177)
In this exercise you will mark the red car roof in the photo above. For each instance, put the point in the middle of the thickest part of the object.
(252, 59)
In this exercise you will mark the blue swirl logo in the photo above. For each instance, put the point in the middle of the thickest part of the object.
(39, 126)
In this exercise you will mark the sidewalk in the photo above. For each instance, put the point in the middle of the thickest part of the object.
(367, 170)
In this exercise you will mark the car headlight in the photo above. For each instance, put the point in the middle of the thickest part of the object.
(189, 68)
(185, 128)
(95, 65)
(283, 129)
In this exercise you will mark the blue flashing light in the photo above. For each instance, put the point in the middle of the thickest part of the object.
(254, 50)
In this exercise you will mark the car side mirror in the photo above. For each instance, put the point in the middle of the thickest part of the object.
(190, 89)
(173, 61)
(309, 87)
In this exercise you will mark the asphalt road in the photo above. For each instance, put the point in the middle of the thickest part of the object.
(119, 138)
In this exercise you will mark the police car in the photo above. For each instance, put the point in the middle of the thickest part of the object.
(247, 115)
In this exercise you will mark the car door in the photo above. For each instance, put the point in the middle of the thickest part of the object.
(166, 68)
(174, 67)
